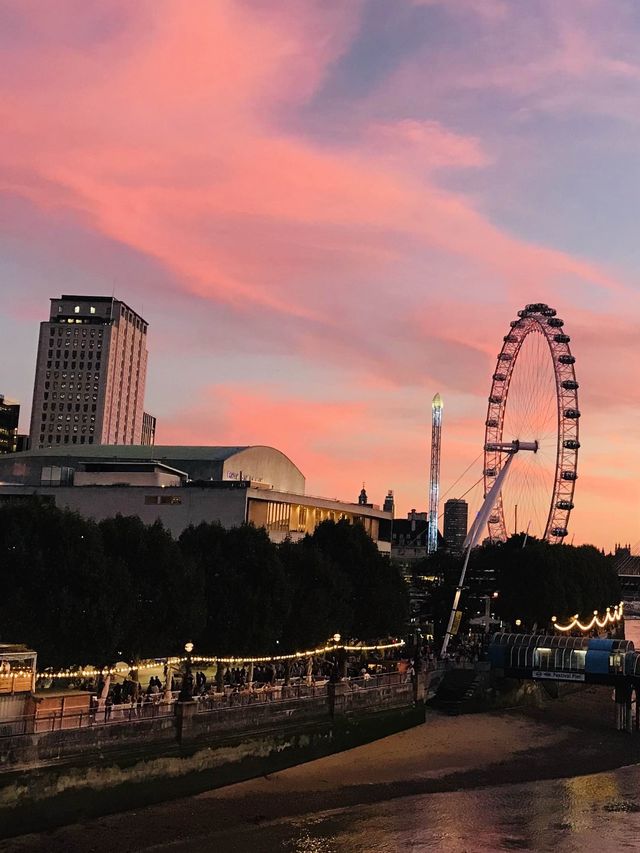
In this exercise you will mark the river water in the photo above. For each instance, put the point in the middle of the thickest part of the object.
(600, 812)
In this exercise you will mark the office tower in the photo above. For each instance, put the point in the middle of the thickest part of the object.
(148, 430)
(434, 479)
(455, 523)
(90, 374)
(9, 416)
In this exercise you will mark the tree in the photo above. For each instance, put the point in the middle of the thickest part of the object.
(165, 606)
(320, 596)
(245, 587)
(378, 596)
(60, 595)
(540, 580)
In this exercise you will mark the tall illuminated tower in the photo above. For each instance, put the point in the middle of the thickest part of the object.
(434, 480)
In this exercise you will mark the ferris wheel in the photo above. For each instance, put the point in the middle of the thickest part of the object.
(533, 399)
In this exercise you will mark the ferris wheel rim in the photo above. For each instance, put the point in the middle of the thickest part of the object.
(540, 318)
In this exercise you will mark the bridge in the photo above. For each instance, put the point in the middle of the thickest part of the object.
(589, 660)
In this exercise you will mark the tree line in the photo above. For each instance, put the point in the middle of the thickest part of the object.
(534, 581)
(80, 591)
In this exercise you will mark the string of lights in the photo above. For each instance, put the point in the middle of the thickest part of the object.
(609, 618)
(142, 666)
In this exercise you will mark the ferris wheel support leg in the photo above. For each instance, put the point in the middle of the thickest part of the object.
(471, 541)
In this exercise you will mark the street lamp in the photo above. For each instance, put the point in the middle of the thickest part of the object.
(186, 692)
(336, 638)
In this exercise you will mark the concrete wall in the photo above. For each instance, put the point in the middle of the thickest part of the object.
(228, 506)
(54, 778)
(131, 478)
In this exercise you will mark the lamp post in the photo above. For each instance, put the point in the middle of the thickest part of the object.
(339, 660)
(186, 692)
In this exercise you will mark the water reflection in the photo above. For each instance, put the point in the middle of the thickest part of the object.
(599, 813)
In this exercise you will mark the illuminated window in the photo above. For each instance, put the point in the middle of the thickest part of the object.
(76, 310)
(92, 310)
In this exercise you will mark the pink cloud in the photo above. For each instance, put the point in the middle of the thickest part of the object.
(170, 130)
(427, 144)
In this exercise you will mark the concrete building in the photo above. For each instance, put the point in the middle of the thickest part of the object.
(90, 374)
(455, 523)
(183, 486)
(148, 437)
(9, 417)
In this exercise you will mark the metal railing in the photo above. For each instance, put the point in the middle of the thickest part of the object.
(163, 706)
(62, 720)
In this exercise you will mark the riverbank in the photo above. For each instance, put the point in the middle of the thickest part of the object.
(572, 736)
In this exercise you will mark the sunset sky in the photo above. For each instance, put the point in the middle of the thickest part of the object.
(328, 211)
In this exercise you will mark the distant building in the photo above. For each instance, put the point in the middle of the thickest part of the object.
(183, 486)
(90, 374)
(389, 505)
(362, 497)
(148, 438)
(9, 416)
(409, 538)
(456, 513)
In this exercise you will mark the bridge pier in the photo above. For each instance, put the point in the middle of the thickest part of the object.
(624, 717)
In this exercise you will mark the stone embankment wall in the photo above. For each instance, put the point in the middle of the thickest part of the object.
(53, 778)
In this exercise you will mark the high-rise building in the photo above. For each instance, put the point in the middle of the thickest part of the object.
(9, 416)
(455, 523)
(148, 430)
(90, 374)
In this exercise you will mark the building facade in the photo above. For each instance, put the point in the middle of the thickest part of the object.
(409, 538)
(9, 416)
(183, 486)
(455, 523)
(148, 437)
(90, 374)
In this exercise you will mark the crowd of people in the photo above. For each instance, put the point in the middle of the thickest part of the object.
(221, 685)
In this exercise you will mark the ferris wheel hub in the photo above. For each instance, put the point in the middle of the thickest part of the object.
(512, 446)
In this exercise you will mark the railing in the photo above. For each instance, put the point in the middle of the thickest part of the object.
(158, 706)
(16, 683)
(59, 720)
(260, 695)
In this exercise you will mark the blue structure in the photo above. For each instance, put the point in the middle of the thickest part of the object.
(593, 660)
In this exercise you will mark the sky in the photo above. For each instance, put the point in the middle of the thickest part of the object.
(330, 210)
